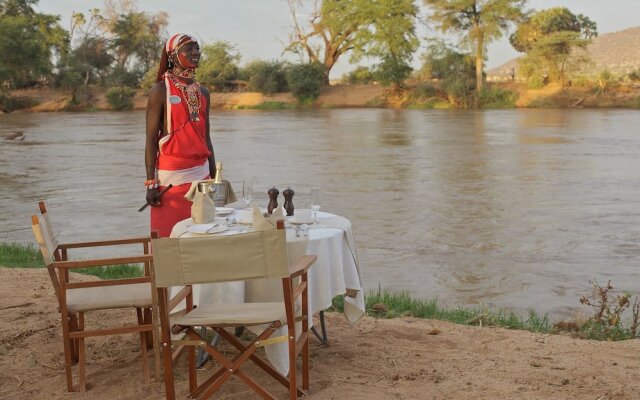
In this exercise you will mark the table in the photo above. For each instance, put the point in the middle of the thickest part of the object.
(335, 272)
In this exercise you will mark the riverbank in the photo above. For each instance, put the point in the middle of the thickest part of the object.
(346, 96)
(403, 358)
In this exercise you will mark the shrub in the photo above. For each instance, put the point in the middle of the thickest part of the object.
(607, 322)
(634, 76)
(149, 78)
(122, 77)
(306, 80)
(536, 81)
(120, 98)
(424, 91)
(360, 75)
(497, 98)
(268, 77)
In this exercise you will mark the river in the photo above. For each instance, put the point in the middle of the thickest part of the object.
(505, 208)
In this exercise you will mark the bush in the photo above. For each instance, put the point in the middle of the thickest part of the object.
(120, 98)
(634, 76)
(9, 103)
(497, 98)
(536, 81)
(122, 77)
(149, 78)
(267, 77)
(360, 75)
(424, 91)
(306, 80)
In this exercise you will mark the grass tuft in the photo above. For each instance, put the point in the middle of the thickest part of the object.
(385, 303)
(25, 256)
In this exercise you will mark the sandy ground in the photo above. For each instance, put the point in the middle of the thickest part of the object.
(376, 359)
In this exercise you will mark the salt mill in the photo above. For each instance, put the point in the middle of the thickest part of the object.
(288, 200)
(273, 199)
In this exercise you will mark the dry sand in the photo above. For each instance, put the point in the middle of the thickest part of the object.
(376, 359)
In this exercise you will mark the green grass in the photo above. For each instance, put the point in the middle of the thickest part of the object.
(25, 256)
(385, 303)
(269, 105)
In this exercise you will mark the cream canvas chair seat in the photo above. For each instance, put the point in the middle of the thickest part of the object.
(232, 315)
(136, 295)
(77, 298)
(208, 259)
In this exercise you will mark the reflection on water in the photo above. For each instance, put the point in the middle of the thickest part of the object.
(516, 208)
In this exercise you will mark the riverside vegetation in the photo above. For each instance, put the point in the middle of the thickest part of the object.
(607, 323)
(100, 53)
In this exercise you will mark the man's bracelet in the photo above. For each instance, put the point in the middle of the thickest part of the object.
(151, 184)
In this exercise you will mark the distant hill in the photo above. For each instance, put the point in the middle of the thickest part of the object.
(618, 52)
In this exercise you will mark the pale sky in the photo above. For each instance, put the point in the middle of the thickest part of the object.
(260, 27)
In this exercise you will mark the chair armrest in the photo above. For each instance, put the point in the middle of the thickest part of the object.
(181, 295)
(301, 265)
(113, 242)
(102, 262)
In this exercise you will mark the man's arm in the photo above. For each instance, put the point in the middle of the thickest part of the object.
(212, 157)
(155, 121)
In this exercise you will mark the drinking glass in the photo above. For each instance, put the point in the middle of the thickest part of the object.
(247, 191)
(314, 200)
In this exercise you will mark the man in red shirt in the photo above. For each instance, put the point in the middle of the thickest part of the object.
(178, 147)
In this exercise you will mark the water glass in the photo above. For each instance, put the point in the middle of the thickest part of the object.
(247, 191)
(315, 199)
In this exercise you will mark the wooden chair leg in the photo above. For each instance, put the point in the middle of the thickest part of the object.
(73, 343)
(68, 358)
(82, 373)
(148, 319)
(143, 346)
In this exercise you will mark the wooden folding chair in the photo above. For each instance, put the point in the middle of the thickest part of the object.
(258, 254)
(77, 298)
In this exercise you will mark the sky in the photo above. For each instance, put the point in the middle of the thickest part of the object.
(259, 28)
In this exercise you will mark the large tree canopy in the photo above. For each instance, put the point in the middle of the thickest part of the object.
(28, 41)
(549, 38)
(546, 22)
(358, 27)
(479, 21)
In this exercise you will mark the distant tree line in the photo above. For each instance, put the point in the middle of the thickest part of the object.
(119, 46)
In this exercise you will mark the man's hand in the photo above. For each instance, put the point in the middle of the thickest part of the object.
(152, 199)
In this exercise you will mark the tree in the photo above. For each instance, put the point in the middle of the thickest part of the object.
(137, 34)
(549, 38)
(338, 27)
(28, 41)
(480, 21)
(219, 65)
(454, 68)
(394, 40)
(546, 22)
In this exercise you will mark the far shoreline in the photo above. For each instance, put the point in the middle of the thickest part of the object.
(349, 96)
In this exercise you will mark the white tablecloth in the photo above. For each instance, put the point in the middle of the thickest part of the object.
(335, 270)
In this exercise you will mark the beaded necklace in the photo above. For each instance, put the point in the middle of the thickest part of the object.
(191, 93)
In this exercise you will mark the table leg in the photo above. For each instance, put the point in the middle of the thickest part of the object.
(322, 339)
(202, 356)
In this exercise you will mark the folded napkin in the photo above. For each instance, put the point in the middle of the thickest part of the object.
(261, 223)
(203, 209)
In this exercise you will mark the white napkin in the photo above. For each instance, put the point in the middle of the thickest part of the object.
(260, 223)
(203, 209)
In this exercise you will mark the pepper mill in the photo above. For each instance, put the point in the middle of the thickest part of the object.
(288, 200)
(273, 199)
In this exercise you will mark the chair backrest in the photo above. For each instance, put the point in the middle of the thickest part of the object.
(44, 236)
(186, 261)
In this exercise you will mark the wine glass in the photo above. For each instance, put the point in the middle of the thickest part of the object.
(247, 191)
(314, 200)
